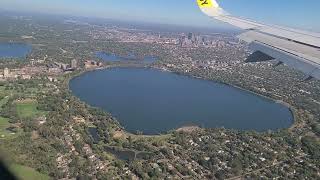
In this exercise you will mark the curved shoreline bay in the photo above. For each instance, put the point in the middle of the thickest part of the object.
(153, 101)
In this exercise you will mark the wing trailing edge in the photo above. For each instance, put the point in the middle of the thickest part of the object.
(296, 48)
(259, 56)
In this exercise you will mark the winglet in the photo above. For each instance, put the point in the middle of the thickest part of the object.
(211, 8)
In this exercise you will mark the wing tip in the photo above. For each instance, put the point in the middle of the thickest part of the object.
(211, 8)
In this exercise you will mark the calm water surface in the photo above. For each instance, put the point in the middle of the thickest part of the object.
(94, 134)
(153, 101)
(14, 50)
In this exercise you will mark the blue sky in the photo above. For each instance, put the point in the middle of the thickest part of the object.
(303, 14)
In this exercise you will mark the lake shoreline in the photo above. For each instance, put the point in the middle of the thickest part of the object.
(186, 128)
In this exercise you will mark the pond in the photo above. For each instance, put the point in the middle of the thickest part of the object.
(127, 155)
(14, 50)
(124, 155)
(152, 101)
(94, 134)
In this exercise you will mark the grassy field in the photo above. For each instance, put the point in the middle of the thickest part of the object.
(4, 124)
(27, 173)
(25, 109)
(28, 109)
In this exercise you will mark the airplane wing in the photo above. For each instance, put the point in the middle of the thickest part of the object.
(296, 48)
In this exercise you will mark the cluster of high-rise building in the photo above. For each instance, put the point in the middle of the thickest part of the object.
(13, 74)
(7, 74)
(62, 67)
(197, 40)
(74, 64)
(191, 39)
(90, 64)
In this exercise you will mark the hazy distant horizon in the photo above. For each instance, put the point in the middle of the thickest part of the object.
(299, 14)
(129, 24)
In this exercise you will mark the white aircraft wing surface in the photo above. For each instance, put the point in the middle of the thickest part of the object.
(296, 48)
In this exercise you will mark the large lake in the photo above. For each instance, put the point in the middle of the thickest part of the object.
(14, 50)
(153, 101)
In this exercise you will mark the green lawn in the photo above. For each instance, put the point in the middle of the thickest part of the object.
(27, 173)
(28, 109)
(4, 124)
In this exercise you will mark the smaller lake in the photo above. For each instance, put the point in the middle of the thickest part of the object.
(124, 155)
(108, 57)
(14, 50)
(127, 155)
(94, 134)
